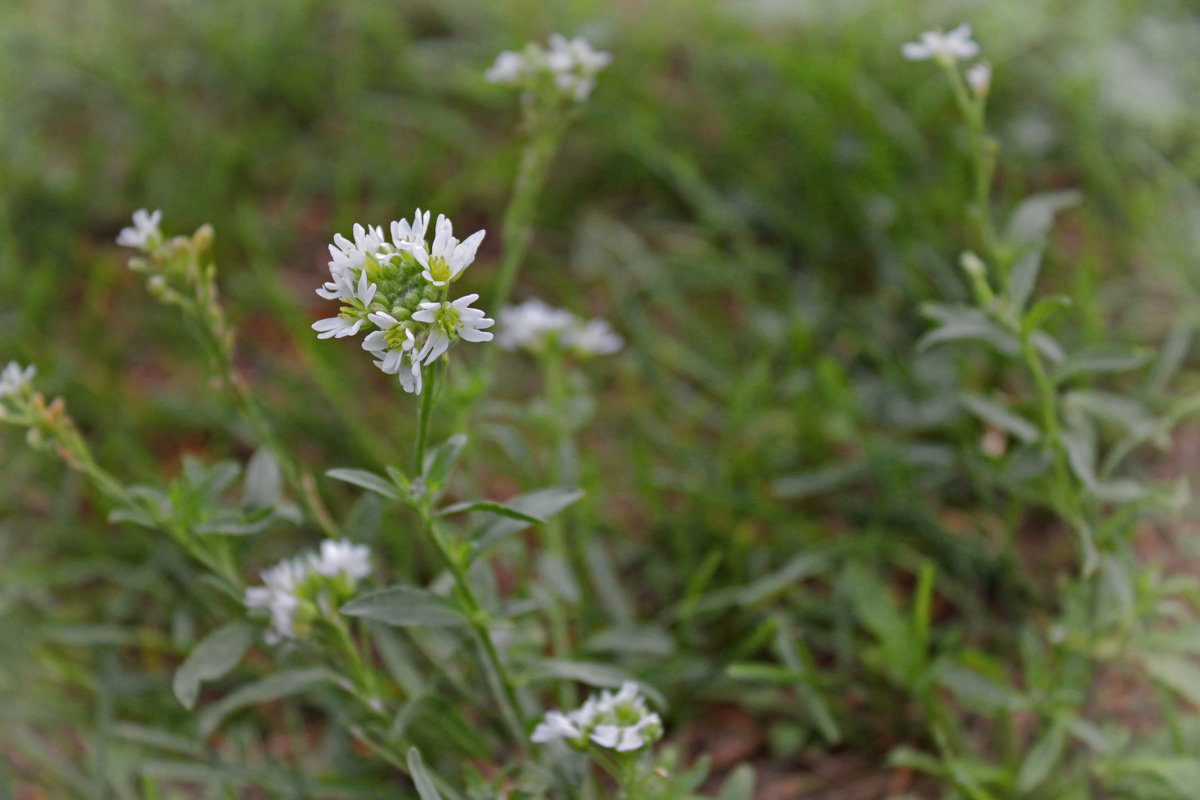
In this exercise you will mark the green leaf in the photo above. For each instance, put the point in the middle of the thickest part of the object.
(1042, 310)
(367, 480)
(491, 506)
(1033, 217)
(739, 785)
(420, 776)
(540, 504)
(1023, 277)
(995, 414)
(262, 487)
(212, 658)
(1178, 674)
(1101, 358)
(272, 687)
(1041, 759)
(405, 606)
(440, 460)
(1180, 773)
(604, 676)
(980, 693)
(820, 481)
(958, 323)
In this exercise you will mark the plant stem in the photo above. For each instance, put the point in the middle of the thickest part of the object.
(423, 415)
(502, 686)
(517, 227)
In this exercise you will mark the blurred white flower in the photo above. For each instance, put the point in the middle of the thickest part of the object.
(534, 325)
(449, 320)
(979, 78)
(342, 557)
(300, 589)
(144, 233)
(13, 378)
(618, 721)
(570, 64)
(278, 597)
(945, 47)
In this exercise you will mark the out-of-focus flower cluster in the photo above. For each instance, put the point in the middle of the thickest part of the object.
(537, 327)
(620, 722)
(397, 289)
(569, 66)
(299, 590)
(948, 49)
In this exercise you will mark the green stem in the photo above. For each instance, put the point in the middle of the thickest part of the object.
(502, 687)
(423, 415)
(517, 227)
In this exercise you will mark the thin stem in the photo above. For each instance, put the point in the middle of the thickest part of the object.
(423, 415)
(517, 227)
(503, 688)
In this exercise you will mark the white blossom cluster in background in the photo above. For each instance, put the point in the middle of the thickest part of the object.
(297, 590)
(618, 721)
(570, 65)
(948, 49)
(397, 289)
(13, 378)
(144, 233)
(535, 326)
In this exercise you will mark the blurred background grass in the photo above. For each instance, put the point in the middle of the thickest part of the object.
(758, 195)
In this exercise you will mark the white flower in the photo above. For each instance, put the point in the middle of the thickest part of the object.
(351, 319)
(297, 590)
(13, 378)
(278, 597)
(555, 725)
(530, 323)
(593, 337)
(144, 233)
(390, 345)
(342, 557)
(619, 722)
(449, 257)
(451, 319)
(533, 325)
(979, 78)
(571, 64)
(509, 67)
(404, 234)
(945, 47)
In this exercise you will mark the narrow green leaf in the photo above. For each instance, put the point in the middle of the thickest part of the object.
(969, 323)
(604, 676)
(367, 480)
(1181, 675)
(490, 506)
(441, 459)
(1033, 217)
(739, 785)
(540, 504)
(212, 658)
(272, 687)
(1107, 358)
(980, 693)
(405, 606)
(262, 486)
(1041, 759)
(995, 414)
(420, 776)
(1023, 277)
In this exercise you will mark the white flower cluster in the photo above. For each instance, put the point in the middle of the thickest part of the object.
(535, 326)
(397, 289)
(13, 378)
(948, 49)
(144, 233)
(618, 721)
(298, 590)
(569, 64)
